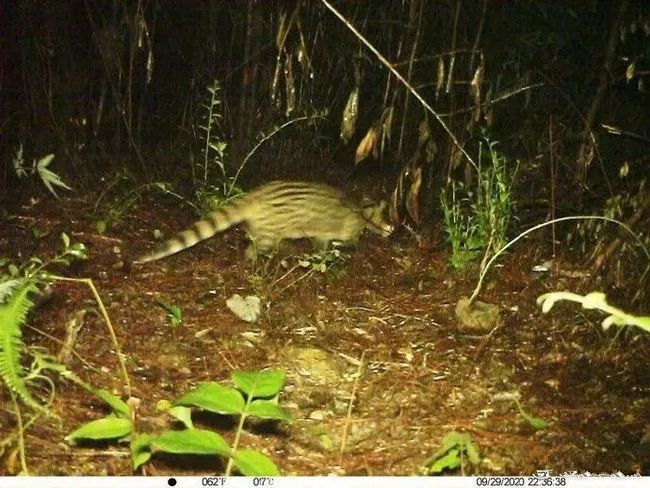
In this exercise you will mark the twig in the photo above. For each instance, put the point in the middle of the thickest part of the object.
(348, 417)
(109, 325)
(539, 226)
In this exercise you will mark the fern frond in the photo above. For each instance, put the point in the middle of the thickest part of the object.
(13, 314)
(8, 287)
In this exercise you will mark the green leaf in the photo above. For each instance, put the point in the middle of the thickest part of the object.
(65, 239)
(101, 225)
(213, 397)
(472, 453)
(174, 313)
(13, 314)
(191, 441)
(536, 423)
(450, 461)
(454, 439)
(106, 428)
(141, 449)
(49, 178)
(45, 161)
(163, 405)
(259, 383)
(78, 250)
(7, 288)
(139, 458)
(182, 414)
(266, 409)
(449, 456)
(117, 404)
(253, 463)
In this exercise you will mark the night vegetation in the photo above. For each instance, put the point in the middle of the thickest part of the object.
(511, 142)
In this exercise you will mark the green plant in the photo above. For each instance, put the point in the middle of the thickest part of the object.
(210, 198)
(477, 222)
(18, 285)
(174, 313)
(330, 263)
(113, 212)
(537, 423)
(463, 232)
(48, 177)
(112, 206)
(255, 394)
(212, 150)
(456, 446)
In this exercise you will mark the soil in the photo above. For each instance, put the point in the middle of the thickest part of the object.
(381, 333)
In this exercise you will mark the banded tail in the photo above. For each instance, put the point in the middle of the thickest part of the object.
(215, 222)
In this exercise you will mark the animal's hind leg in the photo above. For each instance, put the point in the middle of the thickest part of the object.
(260, 246)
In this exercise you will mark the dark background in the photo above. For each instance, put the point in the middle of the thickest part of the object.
(116, 88)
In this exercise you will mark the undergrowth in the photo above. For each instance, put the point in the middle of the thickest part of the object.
(254, 395)
(476, 221)
(20, 284)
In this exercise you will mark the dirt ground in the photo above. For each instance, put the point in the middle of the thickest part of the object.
(388, 315)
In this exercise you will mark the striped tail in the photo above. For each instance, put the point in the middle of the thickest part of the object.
(215, 222)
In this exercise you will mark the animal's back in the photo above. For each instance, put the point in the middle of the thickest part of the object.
(294, 210)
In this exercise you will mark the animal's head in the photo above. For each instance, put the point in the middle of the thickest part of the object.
(376, 218)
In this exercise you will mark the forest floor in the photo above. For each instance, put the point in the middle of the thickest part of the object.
(381, 332)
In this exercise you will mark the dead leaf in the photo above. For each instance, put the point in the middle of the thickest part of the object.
(395, 200)
(289, 84)
(440, 77)
(367, 144)
(413, 197)
(386, 123)
(350, 115)
(424, 132)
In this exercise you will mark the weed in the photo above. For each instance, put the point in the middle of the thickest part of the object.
(329, 263)
(477, 222)
(174, 313)
(463, 233)
(47, 176)
(18, 285)
(213, 147)
(211, 198)
(255, 394)
(111, 207)
(212, 151)
(537, 423)
(456, 447)
(213, 154)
